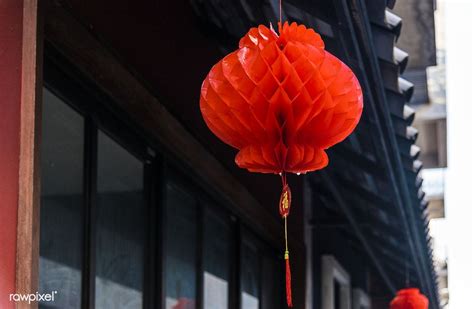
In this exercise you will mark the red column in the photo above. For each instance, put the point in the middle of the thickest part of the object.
(11, 33)
(20, 88)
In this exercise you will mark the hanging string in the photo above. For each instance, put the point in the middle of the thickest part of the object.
(280, 12)
(286, 234)
(284, 207)
(407, 274)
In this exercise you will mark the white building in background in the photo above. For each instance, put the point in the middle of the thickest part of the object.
(451, 189)
(434, 184)
(459, 196)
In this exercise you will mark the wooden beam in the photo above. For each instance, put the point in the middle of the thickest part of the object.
(27, 253)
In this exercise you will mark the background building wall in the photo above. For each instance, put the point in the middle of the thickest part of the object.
(460, 172)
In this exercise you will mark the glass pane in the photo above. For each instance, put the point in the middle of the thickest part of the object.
(61, 211)
(180, 249)
(120, 227)
(250, 275)
(217, 246)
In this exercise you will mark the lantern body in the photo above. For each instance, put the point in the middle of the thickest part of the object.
(282, 100)
(409, 299)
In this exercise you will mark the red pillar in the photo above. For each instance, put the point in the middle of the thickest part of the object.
(18, 156)
(11, 21)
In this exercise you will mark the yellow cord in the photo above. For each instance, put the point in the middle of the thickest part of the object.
(287, 253)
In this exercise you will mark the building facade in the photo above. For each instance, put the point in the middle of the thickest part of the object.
(116, 195)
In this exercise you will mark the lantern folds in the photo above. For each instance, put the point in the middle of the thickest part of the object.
(409, 299)
(281, 99)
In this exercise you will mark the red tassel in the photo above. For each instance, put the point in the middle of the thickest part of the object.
(289, 301)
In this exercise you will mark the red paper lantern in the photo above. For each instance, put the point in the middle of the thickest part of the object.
(281, 100)
(409, 299)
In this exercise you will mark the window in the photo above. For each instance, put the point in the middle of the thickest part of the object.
(250, 274)
(94, 207)
(62, 195)
(120, 229)
(180, 248)
(123, 228)
(200, 262)
(217, 258)
(261, 274)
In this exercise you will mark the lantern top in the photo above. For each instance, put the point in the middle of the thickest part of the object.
(261, 36)
(409, 298)
(408, 291)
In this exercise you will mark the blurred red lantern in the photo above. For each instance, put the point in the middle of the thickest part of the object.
(281, 100)
(409, 299)
(185, 303)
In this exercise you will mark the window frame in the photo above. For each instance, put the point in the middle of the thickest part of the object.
(332, 271)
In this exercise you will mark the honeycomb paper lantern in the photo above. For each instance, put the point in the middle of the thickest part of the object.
(409, 299)
(281, 100)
